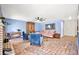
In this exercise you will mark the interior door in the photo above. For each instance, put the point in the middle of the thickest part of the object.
(30, 27)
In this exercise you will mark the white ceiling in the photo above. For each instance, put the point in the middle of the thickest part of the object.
(29, 11)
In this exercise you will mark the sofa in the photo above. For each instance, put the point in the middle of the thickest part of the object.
(12, 35)
(48, 33)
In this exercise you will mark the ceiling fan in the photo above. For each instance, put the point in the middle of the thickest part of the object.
(40, 19)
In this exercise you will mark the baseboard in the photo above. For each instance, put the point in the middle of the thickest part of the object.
(70, 35)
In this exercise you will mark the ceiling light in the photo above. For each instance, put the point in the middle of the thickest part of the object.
(78, 16)
(70, 18)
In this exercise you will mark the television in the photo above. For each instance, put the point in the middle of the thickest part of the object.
(50, 26)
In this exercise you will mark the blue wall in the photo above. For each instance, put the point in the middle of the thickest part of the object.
(57, 24)
(14, 25)
(41, 26)
(38, 27)
(17, 24)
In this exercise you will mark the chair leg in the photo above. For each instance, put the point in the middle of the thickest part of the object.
(30, 43)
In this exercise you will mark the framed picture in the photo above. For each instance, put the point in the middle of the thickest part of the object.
(50, 26)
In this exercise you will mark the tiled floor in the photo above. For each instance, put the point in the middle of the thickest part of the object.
(63, 46)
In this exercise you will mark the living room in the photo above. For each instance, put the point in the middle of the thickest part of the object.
(41, 29)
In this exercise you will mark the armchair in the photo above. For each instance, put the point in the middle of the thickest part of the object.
(35, 39)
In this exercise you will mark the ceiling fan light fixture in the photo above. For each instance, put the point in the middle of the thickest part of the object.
(40, 19)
